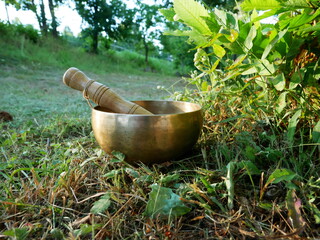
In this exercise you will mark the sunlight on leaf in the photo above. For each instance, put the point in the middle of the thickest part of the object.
(249, 5)
(280, 175)
(279, 82)
(316, 132)
(293, 125)
(281, 102)
(192, 13)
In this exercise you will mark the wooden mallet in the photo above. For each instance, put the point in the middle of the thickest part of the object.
(100, 94)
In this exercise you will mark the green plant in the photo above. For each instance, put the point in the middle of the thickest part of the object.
(272, 70)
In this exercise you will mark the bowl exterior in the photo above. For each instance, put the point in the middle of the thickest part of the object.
(149, 139)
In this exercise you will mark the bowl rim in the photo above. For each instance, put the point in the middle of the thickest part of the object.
(95, 109)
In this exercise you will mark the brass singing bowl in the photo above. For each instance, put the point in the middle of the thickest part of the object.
(167, 135)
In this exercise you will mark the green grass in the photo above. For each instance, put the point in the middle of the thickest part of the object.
(56, 182)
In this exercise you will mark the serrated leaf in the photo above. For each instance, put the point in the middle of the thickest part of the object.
(281, 174)
(316, 133)
(279, 82)
(163, 202)
(192, 13)
(281, 102)
(249, 5)
(102, 204)
(293, 125)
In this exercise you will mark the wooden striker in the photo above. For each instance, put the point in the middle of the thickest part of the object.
(100, 94)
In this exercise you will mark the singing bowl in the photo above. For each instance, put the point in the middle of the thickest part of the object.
(167, 135)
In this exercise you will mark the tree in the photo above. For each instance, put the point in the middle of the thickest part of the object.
(147, 20)
(31, 5)
(54, 23)
(103, 17)
(224, 4)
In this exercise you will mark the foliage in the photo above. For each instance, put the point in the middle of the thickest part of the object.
(102, 17)
(221, 4)
(17, 30)
(146, 20)
(259, 86)
(275, 67)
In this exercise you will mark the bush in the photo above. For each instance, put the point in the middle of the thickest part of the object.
(16, 30)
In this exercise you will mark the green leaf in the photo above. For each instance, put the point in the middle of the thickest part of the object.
(248, 43)
(192, 13)
(294, 4)
(279, 82)
(303, 19)
(316, 133)
(218, 50)
(249, 5)
(273, 43)
(17, 233)
(311, 29)
(293, 125)
(168, 13)
(164, 202)
(170, 178)
(296, 78)
(57, 233)
(101, 205)
(280, 175)
(117, 157)
(86, 229)
(250, 167)
(281, 102)
(112, 173)
(204, 86)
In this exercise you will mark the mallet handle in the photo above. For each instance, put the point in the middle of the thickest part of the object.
(100, 94)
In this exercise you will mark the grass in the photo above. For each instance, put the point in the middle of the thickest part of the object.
(242, 180)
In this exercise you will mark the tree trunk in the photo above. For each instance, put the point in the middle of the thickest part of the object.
(6, 7)
(43, 18)
(33, 8)
(95, 37)
(54, 24)
(146, 51)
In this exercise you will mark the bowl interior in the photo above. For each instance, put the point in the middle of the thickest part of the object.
(161, 107)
